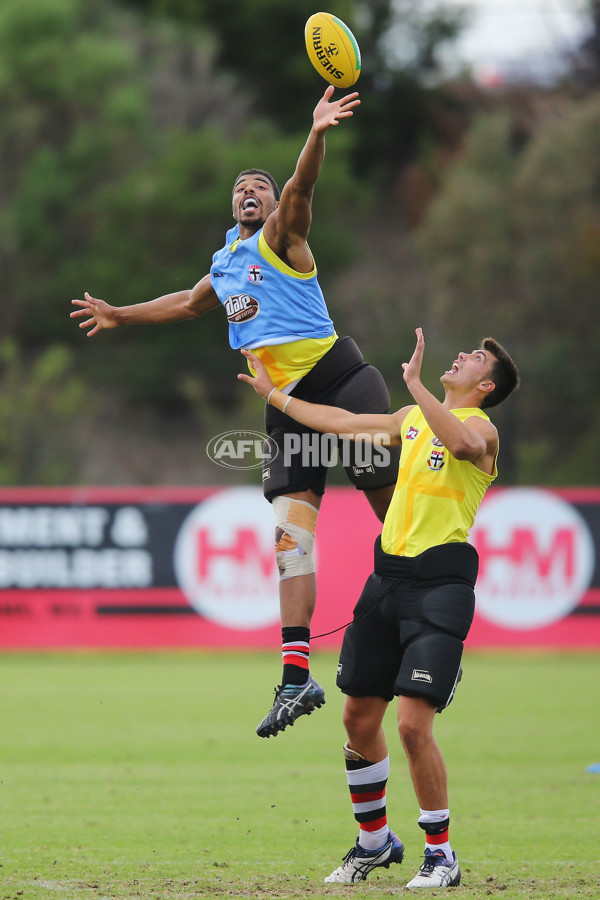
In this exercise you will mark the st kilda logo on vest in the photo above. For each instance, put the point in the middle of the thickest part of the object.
(241, 308)
(436, 460)
(254, 274)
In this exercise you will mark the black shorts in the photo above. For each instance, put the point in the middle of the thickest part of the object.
(303, 456)
(409, 626)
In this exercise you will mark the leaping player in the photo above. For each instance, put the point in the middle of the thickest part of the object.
(265, 278)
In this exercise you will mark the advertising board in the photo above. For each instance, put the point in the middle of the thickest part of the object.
(158, 567)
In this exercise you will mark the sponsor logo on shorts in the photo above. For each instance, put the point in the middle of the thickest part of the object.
(241, 308)
(339, 668)
(363, 470)
(266, 474)
(412, 433)
(421, 675)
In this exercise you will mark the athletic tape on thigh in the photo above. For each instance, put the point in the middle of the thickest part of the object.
(296, 521)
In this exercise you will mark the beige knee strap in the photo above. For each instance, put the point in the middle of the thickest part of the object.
(353, 755)
(296, 522)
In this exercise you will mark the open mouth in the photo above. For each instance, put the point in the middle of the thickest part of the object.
(453, 369)
(249, 203)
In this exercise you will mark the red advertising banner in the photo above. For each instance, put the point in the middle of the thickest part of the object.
(149, 568)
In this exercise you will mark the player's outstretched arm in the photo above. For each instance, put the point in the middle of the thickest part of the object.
(95, 314)
(474, 439)
(328, 419)
(287, 230)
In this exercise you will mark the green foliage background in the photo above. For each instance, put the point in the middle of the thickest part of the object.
(122, 128)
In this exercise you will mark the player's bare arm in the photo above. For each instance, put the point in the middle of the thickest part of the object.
(474, 439)
(487, 434)
(96, 314)
(286, 230)
(328, 419)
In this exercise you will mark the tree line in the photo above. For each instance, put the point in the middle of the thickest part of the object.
(123, 126)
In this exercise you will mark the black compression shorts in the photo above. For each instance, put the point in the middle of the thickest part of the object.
(299, 458)
(409, 626)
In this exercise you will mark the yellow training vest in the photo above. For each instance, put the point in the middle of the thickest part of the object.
(436, 495)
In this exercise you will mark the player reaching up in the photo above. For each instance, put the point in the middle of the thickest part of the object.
(265, 278)
(415, 611)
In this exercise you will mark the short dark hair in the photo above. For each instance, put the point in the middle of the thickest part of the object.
(266, 175)
(504, 373)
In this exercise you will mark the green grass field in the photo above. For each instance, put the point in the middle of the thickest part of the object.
(140, 776)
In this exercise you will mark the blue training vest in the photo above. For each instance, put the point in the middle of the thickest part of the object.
(266, 301)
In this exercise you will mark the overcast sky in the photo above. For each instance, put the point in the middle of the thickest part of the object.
(517, 33)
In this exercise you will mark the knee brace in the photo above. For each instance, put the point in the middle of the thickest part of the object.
(296, 522)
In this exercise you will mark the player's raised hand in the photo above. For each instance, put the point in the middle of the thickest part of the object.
(261, 382)
(99, 314)
(412, 369)
(328, 112)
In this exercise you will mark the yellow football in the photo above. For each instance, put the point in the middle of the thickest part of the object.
(332, 49)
